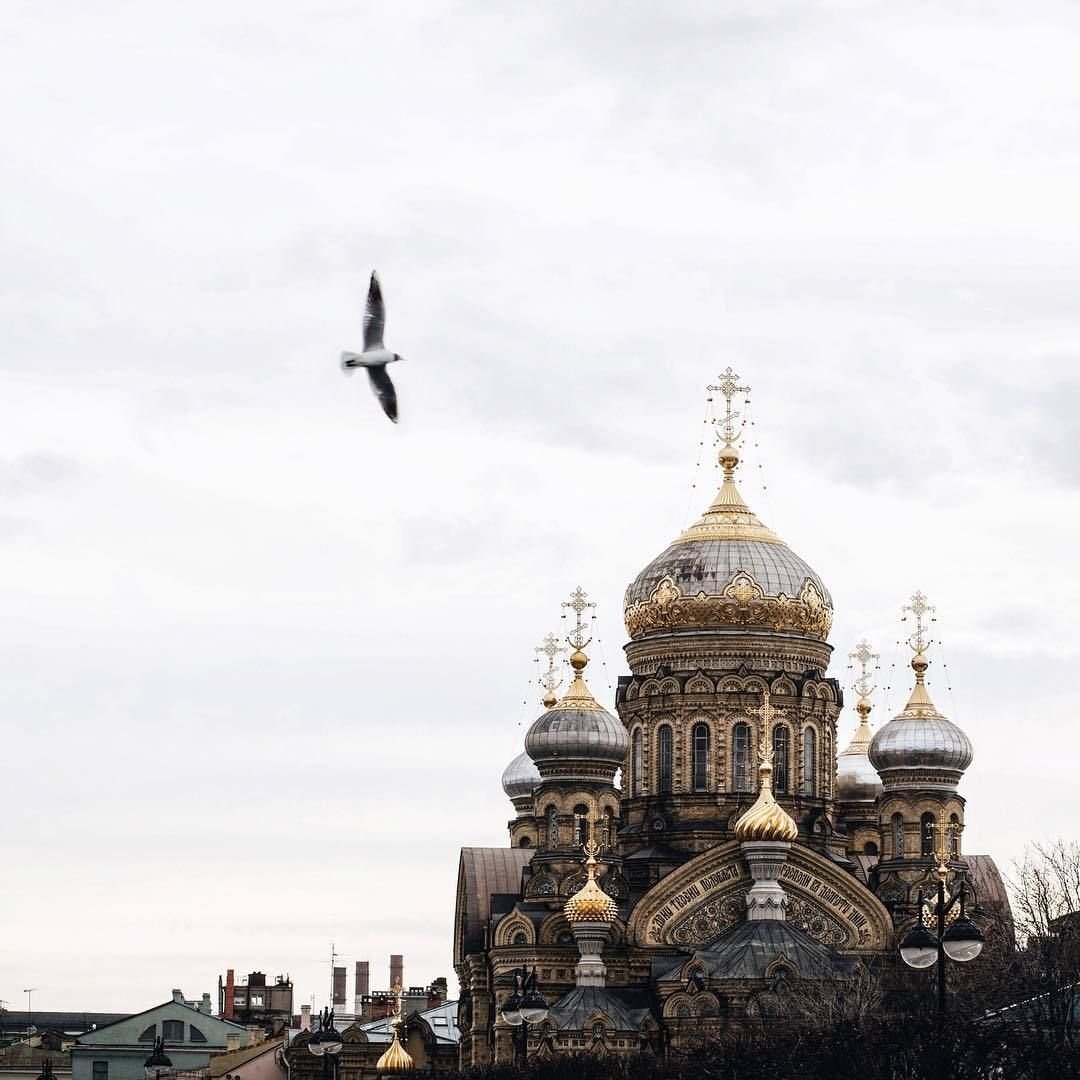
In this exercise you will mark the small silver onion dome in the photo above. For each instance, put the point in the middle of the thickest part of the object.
(919, 739)
(856, 779)
(520, 777)
(578, 738)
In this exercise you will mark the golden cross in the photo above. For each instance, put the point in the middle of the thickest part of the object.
(578, 603)
(550, 647)
(863, 655)
(728, 386)
(395, 992)
(944, 834)
(920, 608)
(591, 847)
(766, 712)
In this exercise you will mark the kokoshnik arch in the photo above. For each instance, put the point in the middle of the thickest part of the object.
(740, 851)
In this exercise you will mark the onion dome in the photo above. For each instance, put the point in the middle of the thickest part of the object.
(519, 779)
(766, 819)
(590, 903)
(396, 1059)
(728, 569)
(578, 738)
(919, 743)
(856, 779)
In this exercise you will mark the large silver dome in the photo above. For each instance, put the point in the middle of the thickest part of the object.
(520, 777)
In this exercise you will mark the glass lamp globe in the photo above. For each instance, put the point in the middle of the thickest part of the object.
(316, 1044)
(331, 1042)
(511, 1011)
(920, 948)
(962, 940)
(533, 1008)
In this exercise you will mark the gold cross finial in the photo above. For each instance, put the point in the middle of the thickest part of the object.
(920, 608)
(550, 680)
(867, 659)
(591, 847)
(395, 993)
(728, 386)
(766, 711)
(578, 604)
(945, 832)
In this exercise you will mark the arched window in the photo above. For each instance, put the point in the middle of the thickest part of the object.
(637, 766)
(870, 848)
(954, 837)
(608, 839)
(524, 842)
(581, 824)
(740, 757)
(700, 763)
(780, 759)
(553, 827)
(196, 1034)
(898, 835)
(665, 760)
(927, 833)
(809, 751)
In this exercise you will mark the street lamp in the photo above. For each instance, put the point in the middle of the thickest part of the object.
(30, 1011)
(524, 1007)
(157, 1061)
(46, 1070)
(326, 1042)
(961, 942)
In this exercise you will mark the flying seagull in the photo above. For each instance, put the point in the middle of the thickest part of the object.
(375, 356)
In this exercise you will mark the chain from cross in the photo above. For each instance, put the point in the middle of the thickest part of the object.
(863, 656)
(920, 607)
(728, 386)
(551, 680)
(578, 604)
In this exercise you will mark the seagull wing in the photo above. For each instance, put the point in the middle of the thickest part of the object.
(374, 316)
(384, 390)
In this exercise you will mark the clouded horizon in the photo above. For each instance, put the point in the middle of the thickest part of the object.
(264, 654)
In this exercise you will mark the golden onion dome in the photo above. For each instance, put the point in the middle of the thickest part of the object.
(590, 903)
(728, 569)
(766, 819)
(396, 1059)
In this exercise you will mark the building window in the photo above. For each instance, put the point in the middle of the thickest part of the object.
(898, 836)
(101, 1070)
(172, 1030)
(149, 1034)
(256, 1000)
(524, 842)
(870, 848)
(553, 827)
(928, 822)
(637, 765)
(608, 839)
(740, 757)
(581, 824)
(520, 938)
(195, 1034)
(780, 759)
(954, 837)
(239, 1001)
(700, 762)
(665, 760)
(809, 762)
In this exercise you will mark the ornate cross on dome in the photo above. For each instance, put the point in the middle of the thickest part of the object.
(766, 711)
(578, 603)
(550, 647)
(866, 658)
(920, 608)
(591, 847)
(728, 385)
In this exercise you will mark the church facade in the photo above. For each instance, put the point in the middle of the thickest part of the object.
(739, 847)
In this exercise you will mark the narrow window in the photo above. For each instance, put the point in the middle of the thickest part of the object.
(954, 836)
(172, 1030)
(665, 760)
(809, 762)
(898, 835)
(870, 848)
(928, 823)
(740, 757)
(101, 1070)
(637, 765)
(581, 824)
(553, 827)
(780, 759)
(701, 757)
(608, 839)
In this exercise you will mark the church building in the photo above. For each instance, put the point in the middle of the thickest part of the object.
(670, 864)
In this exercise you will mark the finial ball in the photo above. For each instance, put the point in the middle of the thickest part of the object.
(578, 660)
(919, 663)
(729, 456)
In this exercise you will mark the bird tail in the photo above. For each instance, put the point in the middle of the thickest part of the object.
(350, 360)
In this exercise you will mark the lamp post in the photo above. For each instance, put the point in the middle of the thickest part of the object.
(30, 1010)
(961, 941)
(326, 1042)
(46, 1070)
(524, 1007)
(157, 1061)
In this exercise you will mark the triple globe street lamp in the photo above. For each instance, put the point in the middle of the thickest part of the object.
(326, 1042)
(158, 1061)
(524, 1007)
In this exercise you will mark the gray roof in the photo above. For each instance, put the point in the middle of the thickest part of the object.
(920, 742)
(442, 1020)
(482, 873)
(626, 1008)
(709, 565)
(748, 951)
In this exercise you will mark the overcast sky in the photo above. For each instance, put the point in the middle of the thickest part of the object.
(263, 655)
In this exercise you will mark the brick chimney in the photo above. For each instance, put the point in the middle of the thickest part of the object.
(305, 1017)
(340, 975)
(361, 987)
(230, 985)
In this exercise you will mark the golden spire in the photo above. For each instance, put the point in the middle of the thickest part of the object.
(590, 903)
(578, 695)
(866, 658)
(766, 819)
(550, 679)
(396, 1058)
(729, 518)
(919, 704)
